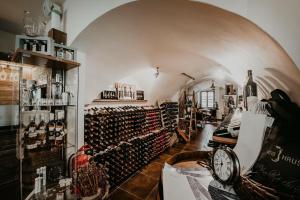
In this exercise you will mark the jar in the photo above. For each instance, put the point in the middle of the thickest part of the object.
(60, 53)
(30, 140)
(69, 55)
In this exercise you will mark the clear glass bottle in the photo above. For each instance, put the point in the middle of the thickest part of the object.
(29, 24)
(250, 89)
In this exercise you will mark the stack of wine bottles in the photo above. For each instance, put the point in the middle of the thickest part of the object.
(169, 112)
(126, 158)
(155, 143)
(153, 119)
(109, 126)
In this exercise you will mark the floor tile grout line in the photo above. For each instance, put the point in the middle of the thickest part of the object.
(156, 185)
(130, 193)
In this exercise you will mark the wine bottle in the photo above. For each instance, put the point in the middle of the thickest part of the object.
(31, 135)
(250, 91)
(41, 138)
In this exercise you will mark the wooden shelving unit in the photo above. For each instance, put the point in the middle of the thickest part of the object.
(224, 140)
(34, 56)
(31, 66)
(118, 101)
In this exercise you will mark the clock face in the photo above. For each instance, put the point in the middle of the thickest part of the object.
(223, 165)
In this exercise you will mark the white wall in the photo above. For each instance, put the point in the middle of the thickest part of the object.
(81, 56)
(7, 41)
(280, 19)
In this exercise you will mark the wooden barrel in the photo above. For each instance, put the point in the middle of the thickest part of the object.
(184, 160)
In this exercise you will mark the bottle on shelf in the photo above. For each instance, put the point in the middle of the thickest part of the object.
(30, 135)
(250, 92)
(42, 133)
(51, 130)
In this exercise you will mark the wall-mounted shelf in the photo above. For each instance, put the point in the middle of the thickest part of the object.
(119, 101)
(69, 64)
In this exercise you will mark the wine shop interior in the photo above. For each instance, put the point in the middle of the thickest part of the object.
(149, 99)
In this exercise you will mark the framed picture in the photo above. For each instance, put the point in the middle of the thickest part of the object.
(230, 103)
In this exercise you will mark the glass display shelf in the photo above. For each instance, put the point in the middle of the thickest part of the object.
(46, 134)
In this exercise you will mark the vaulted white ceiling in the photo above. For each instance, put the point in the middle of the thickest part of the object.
(128, 42)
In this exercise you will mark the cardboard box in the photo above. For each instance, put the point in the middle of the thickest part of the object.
(58, 36)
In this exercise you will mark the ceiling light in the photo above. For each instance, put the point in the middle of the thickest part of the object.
(213, 85)
(156, 74)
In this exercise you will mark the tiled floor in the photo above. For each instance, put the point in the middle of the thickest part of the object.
(144, 184)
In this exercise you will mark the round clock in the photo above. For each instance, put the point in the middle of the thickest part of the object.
(226, 166)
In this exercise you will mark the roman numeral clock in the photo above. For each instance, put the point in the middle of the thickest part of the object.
(225, 165)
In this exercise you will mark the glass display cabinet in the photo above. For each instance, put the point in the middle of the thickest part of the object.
(42, 108)
(9, 127)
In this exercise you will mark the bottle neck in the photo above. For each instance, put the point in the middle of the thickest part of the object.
(250, 78)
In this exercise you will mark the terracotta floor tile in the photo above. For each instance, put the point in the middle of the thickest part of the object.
(153, 193)
(140, 185)
(153, 170)
(120, 194)
(173, 150)
(162, 158)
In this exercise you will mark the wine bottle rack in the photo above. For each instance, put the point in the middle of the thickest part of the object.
(169, 111)
(125, 138)
(109, 126)
(124, 159)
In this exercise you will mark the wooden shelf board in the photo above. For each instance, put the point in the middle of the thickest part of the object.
(224, 140)
(69, 63)
(119, 101)
(183, 135)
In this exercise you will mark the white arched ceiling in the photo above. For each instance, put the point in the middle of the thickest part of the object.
(128, 42)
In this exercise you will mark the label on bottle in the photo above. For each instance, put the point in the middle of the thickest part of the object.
(32, 134)
(31, 129)
(59, 137)
(51, 128)
(251, 102)
(58, 128)
(52, 137)
(31, 146)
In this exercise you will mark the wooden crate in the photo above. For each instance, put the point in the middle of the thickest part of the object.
(9, 85)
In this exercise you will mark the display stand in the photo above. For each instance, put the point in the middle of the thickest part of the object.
(188, 123)
(48, 93)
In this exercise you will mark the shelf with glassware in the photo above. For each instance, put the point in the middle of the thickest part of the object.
(123, 93)
(46, 46)
(48, 114)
